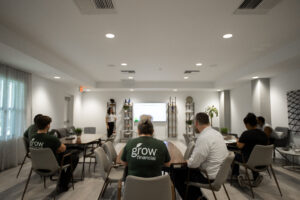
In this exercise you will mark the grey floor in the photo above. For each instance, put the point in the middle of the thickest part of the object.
(11, 188)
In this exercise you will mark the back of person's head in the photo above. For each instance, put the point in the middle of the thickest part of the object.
(36, 117)
(261, 120)
(202, 118)
(43, 122)
(250, 119)
(109, 110)
(145, 125)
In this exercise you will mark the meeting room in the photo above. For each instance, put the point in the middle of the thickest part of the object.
(149, 100)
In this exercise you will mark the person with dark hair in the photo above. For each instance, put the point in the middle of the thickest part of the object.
(209, 153)
(110, 120)
(267, 128)
(32, 129)
(249, 138)
(43, 140)
(145, 156)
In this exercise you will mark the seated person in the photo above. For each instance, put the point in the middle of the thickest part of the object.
(267, 128)
(145, 156)
(32, 129)
(253, 136)
(42, 140)
(209, 153)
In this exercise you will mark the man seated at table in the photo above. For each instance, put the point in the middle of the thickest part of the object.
(253, 136)
(42, 140)
(209, 153)
(267, 128)
(32, 129)
(145, 156)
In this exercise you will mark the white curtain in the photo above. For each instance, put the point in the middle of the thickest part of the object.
(14, 97)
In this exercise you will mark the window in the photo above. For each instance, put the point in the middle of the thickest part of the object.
(12, 107)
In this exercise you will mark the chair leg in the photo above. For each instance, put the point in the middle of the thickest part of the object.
(211, 188)
(275, 179)
(214, 194)
(21, 165)
(249, 181)
(226, 192)
(45, 182)
(269, 173)
(186, 192)
(103, 188)
(95, 165)
(27, 182)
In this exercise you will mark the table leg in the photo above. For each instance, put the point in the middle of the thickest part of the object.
(83, 164)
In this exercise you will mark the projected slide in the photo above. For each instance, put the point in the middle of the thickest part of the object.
(156, 110)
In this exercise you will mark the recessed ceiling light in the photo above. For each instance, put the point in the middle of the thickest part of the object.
(255, 77)
(56, 77)
(227, 36)
(110, 35)
(130, 77)
(198, 64)
(124, 64)
(175, 90)
(131, 90)
(186, 77)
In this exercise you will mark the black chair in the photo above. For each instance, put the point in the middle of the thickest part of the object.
(27, 155)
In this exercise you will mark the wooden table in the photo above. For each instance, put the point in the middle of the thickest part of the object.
(83, 141)
(175, 153)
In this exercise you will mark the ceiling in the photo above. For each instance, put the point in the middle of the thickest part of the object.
(159, 39)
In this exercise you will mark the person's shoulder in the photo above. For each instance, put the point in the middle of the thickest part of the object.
(50, 137)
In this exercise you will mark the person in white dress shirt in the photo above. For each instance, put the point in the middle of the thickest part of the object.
(110, 120)
(209, 153)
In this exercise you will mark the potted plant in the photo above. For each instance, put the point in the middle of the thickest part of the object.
(126, 107)
(224, 131)
(212, 111)
(78, 131)
(189, 122)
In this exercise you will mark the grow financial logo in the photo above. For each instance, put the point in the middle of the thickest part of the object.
(143, 153)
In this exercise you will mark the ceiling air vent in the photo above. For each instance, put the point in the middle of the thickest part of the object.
(104, 4)
(92, 7)
(128, 71)
(250, 4)
(191, 71)
(256, 7)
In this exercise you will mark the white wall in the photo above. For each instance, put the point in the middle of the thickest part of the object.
(48, 99)
(279, 87)
(94, 107)
(240, 105)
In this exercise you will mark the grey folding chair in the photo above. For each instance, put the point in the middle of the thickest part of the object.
(108, 172)
(27, 153)
(45, 164)
(189, 150)
(260, 160)
(219, 180)
(110, 151)
(62, 132)
(158, 188)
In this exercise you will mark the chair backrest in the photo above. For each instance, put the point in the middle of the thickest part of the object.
(223, 172)
(285, 139)
(103, 162)
(62, 132)
(110, 151)
(261, 155)
(158, 188)
(189, 150)
(43, 161)
(89, 130)
(26, 144)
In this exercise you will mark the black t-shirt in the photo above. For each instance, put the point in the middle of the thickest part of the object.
(43, 140)
(251, 138)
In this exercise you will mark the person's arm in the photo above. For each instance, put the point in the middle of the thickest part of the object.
(167, 159)
(240, 145)
(62, 148)
(268, 131)
(242, 140)
(123, 157)
(199, 154)
(26, 134)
